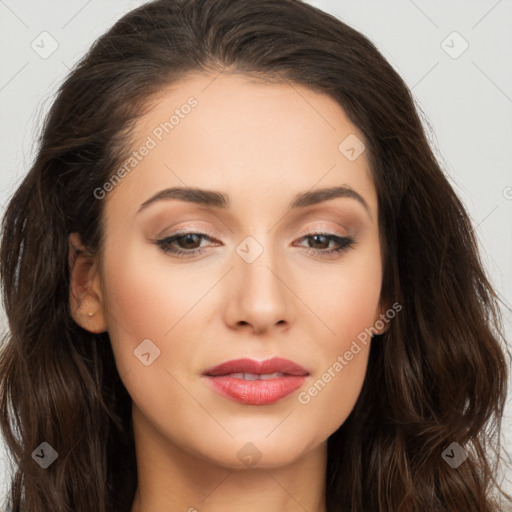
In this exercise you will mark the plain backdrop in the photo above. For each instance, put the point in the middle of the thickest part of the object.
(455, 57)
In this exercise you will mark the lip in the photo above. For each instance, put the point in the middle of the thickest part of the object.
(273, 365)
(256, 392)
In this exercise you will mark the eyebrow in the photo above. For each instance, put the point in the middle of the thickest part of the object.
(220, 200)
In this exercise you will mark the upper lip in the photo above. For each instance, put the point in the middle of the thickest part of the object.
(273, 365)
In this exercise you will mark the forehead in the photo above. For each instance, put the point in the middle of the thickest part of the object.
(230, 132)
(240, 106)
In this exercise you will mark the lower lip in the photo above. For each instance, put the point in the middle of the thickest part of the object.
(256, 392)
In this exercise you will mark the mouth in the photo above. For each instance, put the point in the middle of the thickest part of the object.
(252, 382)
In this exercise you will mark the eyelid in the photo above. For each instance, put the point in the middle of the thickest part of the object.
(191, 230)
(324, 230)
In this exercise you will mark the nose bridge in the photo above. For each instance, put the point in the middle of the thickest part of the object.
(258, 263)
(261, 296)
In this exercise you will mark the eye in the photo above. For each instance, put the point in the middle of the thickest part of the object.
(188, 244)
(187, 240)
(342, 243)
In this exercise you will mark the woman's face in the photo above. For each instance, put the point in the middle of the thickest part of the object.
(258, 279)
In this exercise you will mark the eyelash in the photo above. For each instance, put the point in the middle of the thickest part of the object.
(345, 243)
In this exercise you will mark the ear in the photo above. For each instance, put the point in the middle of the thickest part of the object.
(85, 297)
(382, 318)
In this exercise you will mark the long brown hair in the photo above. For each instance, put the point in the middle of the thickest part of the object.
(437, 376)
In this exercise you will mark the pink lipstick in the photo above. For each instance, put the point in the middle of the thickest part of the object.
(254, 382)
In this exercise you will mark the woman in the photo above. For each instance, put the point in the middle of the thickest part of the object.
(328, 342)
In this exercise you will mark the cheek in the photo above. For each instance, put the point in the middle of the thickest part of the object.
(140, 304)
(147, 299)
(346, 297)
(349, 307)
(333, 390)
(331, 396)
(144, 302)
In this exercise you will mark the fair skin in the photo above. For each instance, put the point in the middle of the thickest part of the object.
(261, 144)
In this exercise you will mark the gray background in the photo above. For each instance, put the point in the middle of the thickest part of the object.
(466, 98)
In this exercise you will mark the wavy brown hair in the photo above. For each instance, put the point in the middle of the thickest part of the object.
(437, 376)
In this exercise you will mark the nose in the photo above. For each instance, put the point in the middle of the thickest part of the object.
(259, 294)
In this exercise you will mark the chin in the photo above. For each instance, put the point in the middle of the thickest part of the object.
(247, 451)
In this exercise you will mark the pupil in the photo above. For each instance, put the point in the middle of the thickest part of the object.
(315, 237)
(188, 237)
